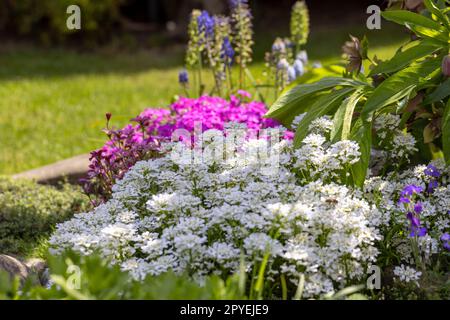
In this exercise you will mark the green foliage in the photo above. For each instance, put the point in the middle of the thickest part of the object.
(296, 100)
(400, 85)
(412, 84)
(324, 105)
(446, 131)
(91, 277)
(77, 277)
(299, 24)
(28, 212)
(242, 35)
(195, 48)
(47, 18)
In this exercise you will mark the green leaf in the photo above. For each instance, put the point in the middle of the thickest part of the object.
(399, 86)
(344, 115)
(440, 35)
(410, 18)
(294, 101)
(362, 134)
(440, 93)
(404, 58)
(431, 6)
(322, 106)
(364, 48)
(446, 132)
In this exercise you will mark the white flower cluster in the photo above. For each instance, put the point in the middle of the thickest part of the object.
(407, 274)
(396, 145)
(317, 158)
(202, 218)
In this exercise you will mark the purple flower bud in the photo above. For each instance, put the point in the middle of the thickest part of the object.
(237, 3)
(445, 238)
(419, 232)
(303, 56)
(404, 200)
(415, 221)
(432, 171)
(227, 51)
(183, 77)
(206, 24)
(409, 190)
(418, 207)
(292, 75)
(299, 68)
(283, 64)
(446, 66)
(432, 185)
(278, 46)
(108, 116)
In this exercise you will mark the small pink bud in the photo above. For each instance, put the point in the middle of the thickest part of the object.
(446, 66)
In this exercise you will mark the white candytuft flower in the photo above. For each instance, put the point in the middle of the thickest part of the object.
(407, 274)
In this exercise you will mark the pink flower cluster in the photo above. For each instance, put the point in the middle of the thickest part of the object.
(142, 140)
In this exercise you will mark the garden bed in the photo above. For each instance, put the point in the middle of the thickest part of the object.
(339, 188)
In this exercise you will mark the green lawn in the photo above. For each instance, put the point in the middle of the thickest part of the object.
(53, 101)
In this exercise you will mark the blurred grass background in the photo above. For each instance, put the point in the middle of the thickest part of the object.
(53, 101)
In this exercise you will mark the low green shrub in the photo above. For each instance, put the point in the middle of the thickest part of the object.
(29, 211)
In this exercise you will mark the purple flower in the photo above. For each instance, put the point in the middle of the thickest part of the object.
(206, 24)
(237, 3)
(183, 77)
(415, 221)
(409, 190)
(303, 57)
(419, 232)
(404, 200)
(299, 68)
(416, 229)
(278, 46)
(292, 75)
(445, 238)
(432, 185)
(418, 207)
(432, 171)
(227, 51)
(244, 94)
(446, 66)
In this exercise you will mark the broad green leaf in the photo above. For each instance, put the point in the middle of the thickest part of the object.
(442, 91)
(399, 85)
(446, 132)
(362, 134)
(431, 6)
(406, 17)
(344, 115)
(439, 35)
(295, 100)
(322, 106)
(404, 58)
